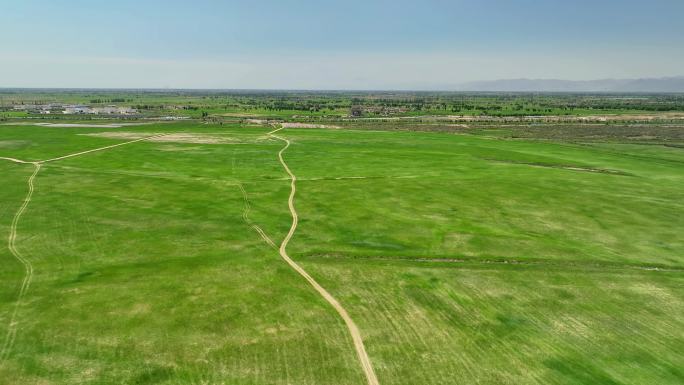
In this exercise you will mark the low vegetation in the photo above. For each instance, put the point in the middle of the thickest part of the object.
(222, 105)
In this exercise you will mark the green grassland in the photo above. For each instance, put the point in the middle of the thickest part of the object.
(468, 257)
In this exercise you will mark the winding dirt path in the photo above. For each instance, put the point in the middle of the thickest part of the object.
(28, 267)
(353, 329)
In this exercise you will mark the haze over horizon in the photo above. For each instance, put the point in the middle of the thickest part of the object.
(398, 45)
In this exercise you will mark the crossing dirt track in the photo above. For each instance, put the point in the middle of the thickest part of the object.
(195, 252)
(11, 243)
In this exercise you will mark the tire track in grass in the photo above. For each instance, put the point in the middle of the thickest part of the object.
(28, 267)
(245, 217)
(351, 326)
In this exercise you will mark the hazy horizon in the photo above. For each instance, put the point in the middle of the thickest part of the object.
(380, 45)
(640, 85)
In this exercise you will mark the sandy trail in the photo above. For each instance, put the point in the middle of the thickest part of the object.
(83, 152)
(353, 329)
(28, 267)
(16, 160)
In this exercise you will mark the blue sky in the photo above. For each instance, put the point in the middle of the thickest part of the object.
(334, 44)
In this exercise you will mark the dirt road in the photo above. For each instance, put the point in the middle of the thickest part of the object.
(15, 160)
(353, 329)
(102, 148)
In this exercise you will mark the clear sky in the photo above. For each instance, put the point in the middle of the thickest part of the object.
(322, 44)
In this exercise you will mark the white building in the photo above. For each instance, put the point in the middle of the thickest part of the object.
(72, 110)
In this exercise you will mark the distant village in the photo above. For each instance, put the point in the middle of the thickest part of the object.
(74, 109)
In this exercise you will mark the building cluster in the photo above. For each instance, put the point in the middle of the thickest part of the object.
(358, 111)
(107, 110)
(74, 109)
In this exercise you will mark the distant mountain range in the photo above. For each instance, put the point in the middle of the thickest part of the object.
(670, 84)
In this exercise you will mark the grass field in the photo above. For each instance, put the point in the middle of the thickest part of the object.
(463, 259)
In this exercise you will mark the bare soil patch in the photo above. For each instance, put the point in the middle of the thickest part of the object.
(13, 143)
(170, 138)
(257, 121)
(307, 125)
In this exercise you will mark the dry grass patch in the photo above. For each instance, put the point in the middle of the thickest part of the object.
(171, 138)
(307, 125)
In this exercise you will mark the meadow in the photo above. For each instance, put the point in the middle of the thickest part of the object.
(472, 256)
